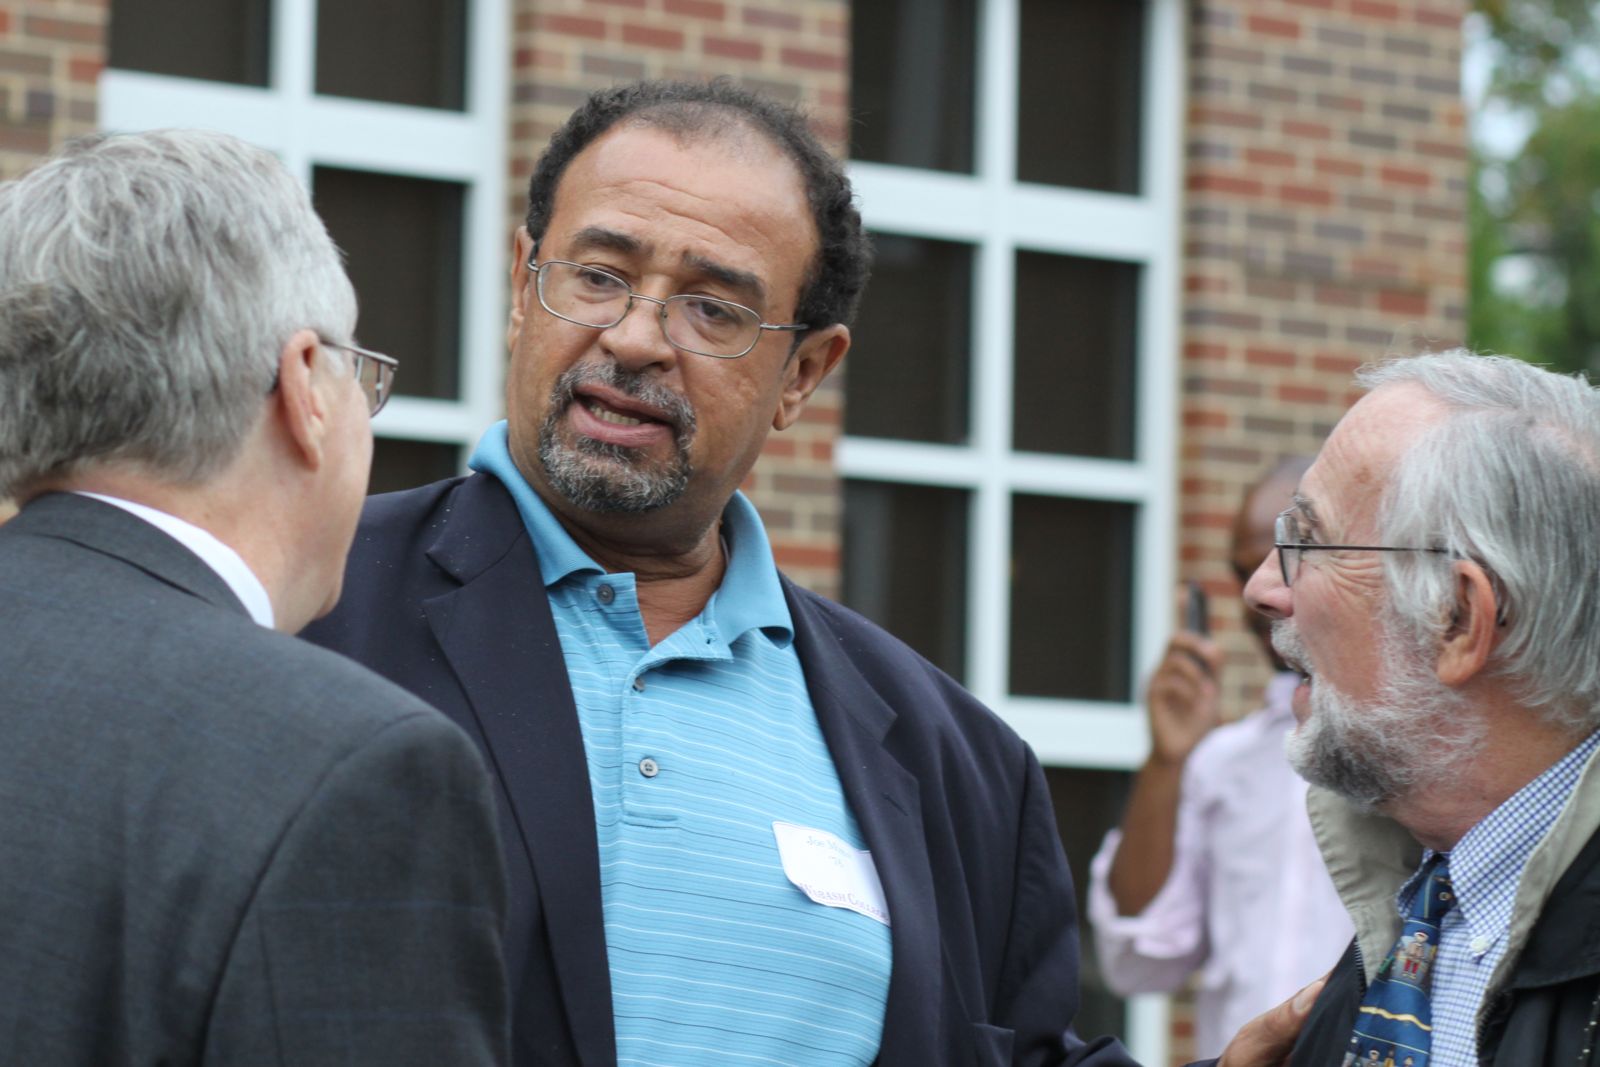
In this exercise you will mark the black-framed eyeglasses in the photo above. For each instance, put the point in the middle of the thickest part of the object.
(373, 370)
(599, 299)
(1289, 540)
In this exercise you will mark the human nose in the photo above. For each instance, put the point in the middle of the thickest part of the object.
(639, 338)
(1265, 591)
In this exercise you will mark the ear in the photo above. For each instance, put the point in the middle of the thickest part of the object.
(302, 407)
(521, 252)
(1470, 638)
(808, 364)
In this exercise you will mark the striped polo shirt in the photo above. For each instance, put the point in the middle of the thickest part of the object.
(696, 747)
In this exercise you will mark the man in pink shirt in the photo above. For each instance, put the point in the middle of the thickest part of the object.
(1214, 868)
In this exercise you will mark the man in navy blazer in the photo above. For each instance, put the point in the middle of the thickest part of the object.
(743, 823)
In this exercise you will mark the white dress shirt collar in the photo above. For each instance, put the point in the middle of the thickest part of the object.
(227, 563)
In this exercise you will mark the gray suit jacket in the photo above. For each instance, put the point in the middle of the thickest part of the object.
(220, 845)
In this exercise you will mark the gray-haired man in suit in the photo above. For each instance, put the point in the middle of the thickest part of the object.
(218, 845)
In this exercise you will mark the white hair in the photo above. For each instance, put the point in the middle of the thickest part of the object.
(1509, 478)
(147, 284)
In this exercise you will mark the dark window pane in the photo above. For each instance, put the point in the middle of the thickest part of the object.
(1071, 598)
(907, 372)
(905, 565)
(220, 40)
(398, 464)
(402, 240)
(1079, 94)
(1088, 803)
(1075, 347)
(411, 53)
(911, 82)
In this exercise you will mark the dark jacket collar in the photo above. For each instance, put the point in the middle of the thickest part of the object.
(885, 798)
(497, 633)
(111, 531)
(1566, 942)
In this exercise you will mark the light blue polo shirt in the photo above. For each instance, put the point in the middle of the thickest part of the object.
(696, 747)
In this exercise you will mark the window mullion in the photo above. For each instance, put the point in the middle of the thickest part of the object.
(293, 66)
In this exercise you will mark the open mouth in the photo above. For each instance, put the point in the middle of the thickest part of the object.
(605, 414)
(612, 417)
(602, 409)
(1286, 643)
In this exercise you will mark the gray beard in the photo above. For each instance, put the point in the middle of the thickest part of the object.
(1412, 735)
(599, 476)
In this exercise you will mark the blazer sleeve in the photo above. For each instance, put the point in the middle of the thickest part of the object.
(1041, 959)
(373, 935)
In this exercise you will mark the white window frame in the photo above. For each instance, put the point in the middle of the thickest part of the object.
(998, 215)
(305, 130)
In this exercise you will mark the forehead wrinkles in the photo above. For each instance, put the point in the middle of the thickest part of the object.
(1357, 464)
(741, 203)
(652, 202)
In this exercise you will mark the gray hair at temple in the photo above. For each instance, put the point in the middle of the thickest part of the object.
(1509, 478)
(148, 283)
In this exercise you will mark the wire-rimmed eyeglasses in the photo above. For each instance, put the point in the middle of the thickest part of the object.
(373, 370)
(1289, 540)
(704, 325)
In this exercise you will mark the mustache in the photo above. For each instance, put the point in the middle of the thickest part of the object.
(674, 410)
(1287, 644)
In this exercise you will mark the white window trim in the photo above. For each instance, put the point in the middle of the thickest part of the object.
(998, 215)
(307, 130)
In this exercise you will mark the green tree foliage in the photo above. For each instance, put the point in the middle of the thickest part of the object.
(1534, 217)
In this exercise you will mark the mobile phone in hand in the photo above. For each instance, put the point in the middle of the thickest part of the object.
(1196, 611)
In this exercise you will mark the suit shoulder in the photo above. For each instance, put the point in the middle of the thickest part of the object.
(310, 687)
(857, 636)
(392, 516)
(386, 569)
(919, 692)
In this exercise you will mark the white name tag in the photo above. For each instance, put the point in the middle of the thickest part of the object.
(830, 872)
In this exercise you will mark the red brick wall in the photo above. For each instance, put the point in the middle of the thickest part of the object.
(794, 50)
(1325, 227)
(51, 52)
(50, 58)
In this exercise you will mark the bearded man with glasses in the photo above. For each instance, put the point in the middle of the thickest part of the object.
(1214, 842)
(1434, 586)
(744, 824)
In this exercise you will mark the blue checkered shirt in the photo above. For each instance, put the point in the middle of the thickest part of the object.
(1485, 870)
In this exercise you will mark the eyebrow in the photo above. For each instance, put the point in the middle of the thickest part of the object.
(1304, 506)
(732, 277)
(598, 237)
(604, 239)
(601, 238)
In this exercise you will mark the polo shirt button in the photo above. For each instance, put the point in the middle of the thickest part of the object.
(605, 594)
(638, 684)
(649, 767)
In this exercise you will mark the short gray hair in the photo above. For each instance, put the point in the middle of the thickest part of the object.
(1509, 478)
(147, 284)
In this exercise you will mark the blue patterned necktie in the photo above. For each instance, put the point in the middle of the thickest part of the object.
(1395, 1026)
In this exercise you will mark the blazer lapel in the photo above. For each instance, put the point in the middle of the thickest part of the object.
(499, 636)
(885, 800)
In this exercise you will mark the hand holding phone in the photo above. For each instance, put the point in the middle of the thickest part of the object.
(1196, 610)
